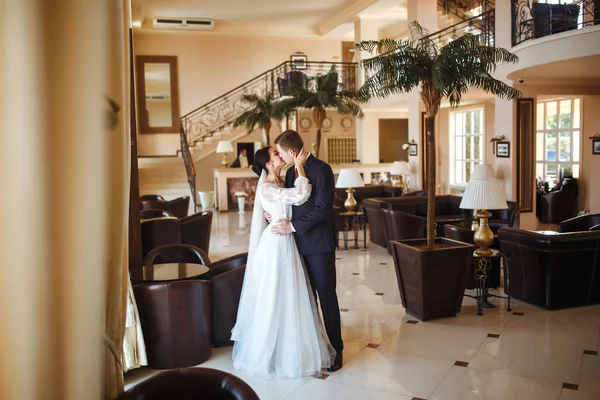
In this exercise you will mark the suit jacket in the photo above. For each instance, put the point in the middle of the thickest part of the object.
(313, 220)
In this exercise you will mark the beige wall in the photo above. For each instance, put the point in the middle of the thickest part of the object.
(309, 136)
(211, 65)
(589, 193)
(393, 133)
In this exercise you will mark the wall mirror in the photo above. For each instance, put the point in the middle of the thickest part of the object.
(157, 94)
(525, 153)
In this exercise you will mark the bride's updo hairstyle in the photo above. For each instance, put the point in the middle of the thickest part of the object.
(261, 158)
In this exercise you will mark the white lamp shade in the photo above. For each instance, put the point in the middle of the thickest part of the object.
(349, 178)
(484, 191)
(400, 168)
(224, 146)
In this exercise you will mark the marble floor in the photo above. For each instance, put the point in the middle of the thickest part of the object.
(527, 354)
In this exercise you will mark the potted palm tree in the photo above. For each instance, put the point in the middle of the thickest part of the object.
(324, 94)
(431, 272)
(262, 111)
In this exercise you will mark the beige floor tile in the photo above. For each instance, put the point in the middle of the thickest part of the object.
(529, 359)
(567, 394)
(589, 381)
(470, 384)
(433, 340)
(317, 389)
(398, 373)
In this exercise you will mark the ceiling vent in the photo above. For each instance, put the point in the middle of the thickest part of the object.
(183, 23)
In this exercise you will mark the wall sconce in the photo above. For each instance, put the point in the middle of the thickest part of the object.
(406, 145)
(497, 138)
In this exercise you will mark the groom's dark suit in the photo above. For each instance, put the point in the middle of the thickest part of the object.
(315, 238)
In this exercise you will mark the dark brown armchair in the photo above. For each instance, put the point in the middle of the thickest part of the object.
(191, 384)
(399, 225)
(195, 230)
(176, 253)
(176, 321)
(160, 232)
(147, 197)
(178, 207)
(155, 213)
(510, 217)
(559, 205)
(579, 224)
(227, 276)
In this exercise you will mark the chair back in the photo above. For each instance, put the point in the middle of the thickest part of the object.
(176, 253)
(195, 230)
(179, 207)
(160, 232)
(579, 224)
(151, 197)
(154, 213)
(176, 321)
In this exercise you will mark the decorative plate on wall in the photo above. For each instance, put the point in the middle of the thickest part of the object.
(346, 123)
(305, 123)
(327, 123)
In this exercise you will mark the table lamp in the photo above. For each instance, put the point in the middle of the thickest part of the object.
(401, 168)
(224, 147)
(483, 193)
(349, 178)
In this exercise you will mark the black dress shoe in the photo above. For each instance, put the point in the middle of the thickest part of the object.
(337, 363)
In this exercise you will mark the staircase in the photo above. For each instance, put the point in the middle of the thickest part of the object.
(202, 128)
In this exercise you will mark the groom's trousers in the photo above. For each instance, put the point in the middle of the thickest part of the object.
(321, 273)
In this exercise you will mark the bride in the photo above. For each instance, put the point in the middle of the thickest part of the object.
(278, 332)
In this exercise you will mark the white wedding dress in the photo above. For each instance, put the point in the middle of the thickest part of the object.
(278, 332)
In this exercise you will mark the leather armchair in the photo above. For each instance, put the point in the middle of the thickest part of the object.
(580, 224)
(195, 230)
(467, 236)
(510, 217)
(191, 384)
(176, 253)
(559, 205)
(151, 197)
(160, 232)
(179, 207)
(227, 276)
(154, 213)
(176, 321)
(400, 225)
(367, 192)
(553, 271)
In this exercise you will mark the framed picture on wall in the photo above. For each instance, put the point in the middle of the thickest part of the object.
(298, 61)
(596, 146)
(503, 149)
(413, 150)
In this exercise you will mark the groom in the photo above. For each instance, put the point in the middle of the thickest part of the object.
(313, 226)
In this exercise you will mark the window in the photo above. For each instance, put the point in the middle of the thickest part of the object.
(558, 139)
(466, 144)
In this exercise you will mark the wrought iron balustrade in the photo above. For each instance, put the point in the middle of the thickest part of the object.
(465, 9)
(222, 111)
(482, 25)
(532, 19)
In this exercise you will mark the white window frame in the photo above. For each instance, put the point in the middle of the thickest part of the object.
(558, 130)
(452, 143)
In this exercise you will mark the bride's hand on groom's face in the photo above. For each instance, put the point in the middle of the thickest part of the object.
(283, 227)
(300, 158)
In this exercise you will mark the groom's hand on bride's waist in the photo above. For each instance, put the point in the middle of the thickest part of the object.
(283, 227)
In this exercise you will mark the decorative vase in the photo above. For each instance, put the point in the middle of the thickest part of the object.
(241, 203)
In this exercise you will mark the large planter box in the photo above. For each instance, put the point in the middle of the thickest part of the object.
(432, 282)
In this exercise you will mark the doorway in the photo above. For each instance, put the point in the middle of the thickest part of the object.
(393, 133)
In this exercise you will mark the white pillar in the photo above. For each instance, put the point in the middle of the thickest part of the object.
(367, 129)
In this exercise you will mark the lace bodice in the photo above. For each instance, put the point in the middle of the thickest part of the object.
(278, 201)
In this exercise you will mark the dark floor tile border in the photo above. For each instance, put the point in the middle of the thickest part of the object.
(382, 263)
(570, 386)
(412, 321)
(322, 376)
(379, 294)
(493, 335)
(520, 314)
(590, 352)
(461, 363)
(344, 310)
(417, 398)
(355, 273)
(372, 345)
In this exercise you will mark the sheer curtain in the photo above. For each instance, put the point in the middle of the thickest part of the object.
(64, 181)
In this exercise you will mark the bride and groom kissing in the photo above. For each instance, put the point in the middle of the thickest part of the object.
(291, 263)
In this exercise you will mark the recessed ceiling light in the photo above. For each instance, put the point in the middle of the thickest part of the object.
(137, 24)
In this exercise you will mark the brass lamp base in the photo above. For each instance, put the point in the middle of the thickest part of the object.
(484, 237)
(225, 163)
(350, 202)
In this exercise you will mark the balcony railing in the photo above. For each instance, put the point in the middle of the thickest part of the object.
(482, 25)
(533, 19)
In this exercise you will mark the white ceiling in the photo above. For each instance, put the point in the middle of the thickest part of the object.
(318, 18)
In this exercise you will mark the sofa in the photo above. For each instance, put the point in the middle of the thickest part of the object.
(367, 192)
(446, 209)
(553, 271)
(581, 223)
(560, 204)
